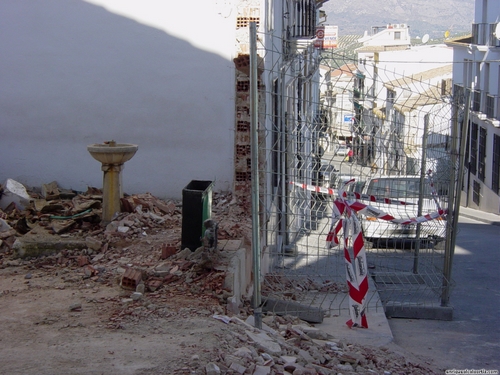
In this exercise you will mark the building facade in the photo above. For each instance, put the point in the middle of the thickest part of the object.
(400, 91)
(476, 90)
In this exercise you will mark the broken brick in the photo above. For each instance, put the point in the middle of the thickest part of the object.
(82, 260)
(131, 278)
(167, 250)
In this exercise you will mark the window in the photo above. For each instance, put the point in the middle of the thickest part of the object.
(473, 149)
(458, 94)
(467, 74)
(398, 188)
(482, 154)
(476, 100)
(391, 95)
(477, 76)
(495, 172)
(490, 106)
(397, 35)
(270, 15)
(445, 87)
(476, 192)
(493, 41)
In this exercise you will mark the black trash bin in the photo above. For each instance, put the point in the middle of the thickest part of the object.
(196, 208)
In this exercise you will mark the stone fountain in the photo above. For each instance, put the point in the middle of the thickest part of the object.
(112, 155)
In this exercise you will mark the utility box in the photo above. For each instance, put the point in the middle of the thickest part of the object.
(196, 208)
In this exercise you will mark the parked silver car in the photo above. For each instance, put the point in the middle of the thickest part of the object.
(406, 189)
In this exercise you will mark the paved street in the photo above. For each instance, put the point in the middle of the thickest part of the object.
(472, 339)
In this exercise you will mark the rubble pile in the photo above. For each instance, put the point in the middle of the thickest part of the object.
(144, 240)
(287, 345)
(69, 213)
(296, 289)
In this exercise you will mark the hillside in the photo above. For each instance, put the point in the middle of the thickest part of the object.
(423, 16)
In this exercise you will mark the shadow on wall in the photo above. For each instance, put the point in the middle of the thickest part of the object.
(74, 74)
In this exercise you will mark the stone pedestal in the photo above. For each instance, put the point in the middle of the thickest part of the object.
(112, 191)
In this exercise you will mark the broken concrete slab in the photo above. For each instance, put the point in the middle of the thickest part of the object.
(309, 314)
(35, 245)
(212, 369)
(61, 226)
(14, 192)
(265, 343)
(93, 243)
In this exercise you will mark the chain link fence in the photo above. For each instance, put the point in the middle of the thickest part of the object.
(331, 129)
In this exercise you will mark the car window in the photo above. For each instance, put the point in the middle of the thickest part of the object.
(358, 186)
(397, 188)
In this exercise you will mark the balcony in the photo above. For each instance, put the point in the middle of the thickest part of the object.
(300, 26)
(494, 40)
(479, 33)
(302, 22)
(483, 34)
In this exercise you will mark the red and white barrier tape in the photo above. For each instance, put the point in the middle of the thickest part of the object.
(329, 191)
(375, 212)
(379, 214)
(316, 189)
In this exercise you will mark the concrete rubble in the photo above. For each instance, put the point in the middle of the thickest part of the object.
(140, 246)
(59, 232)
(288, 346)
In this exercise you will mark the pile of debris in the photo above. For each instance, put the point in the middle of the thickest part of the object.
(70, 213)
(287, 345)
(141, 245)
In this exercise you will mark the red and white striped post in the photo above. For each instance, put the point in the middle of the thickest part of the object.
(355, 261)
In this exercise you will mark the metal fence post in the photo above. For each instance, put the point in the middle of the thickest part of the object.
(254, 102)
(458, 156)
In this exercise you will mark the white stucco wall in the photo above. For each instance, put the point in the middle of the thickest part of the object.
(155, 73)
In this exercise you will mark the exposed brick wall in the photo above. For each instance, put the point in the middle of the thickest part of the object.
(248, 11)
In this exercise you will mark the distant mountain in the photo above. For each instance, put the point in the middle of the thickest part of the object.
(432, 17)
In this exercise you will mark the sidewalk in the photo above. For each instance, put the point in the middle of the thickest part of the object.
(485, 217)
(378, 333)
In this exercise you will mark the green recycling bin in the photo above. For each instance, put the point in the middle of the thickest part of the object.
(196, 208)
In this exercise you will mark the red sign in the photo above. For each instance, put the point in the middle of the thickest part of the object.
(326, 37)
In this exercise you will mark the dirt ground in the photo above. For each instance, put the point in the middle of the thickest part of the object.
(67, 313)
(59, 323)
